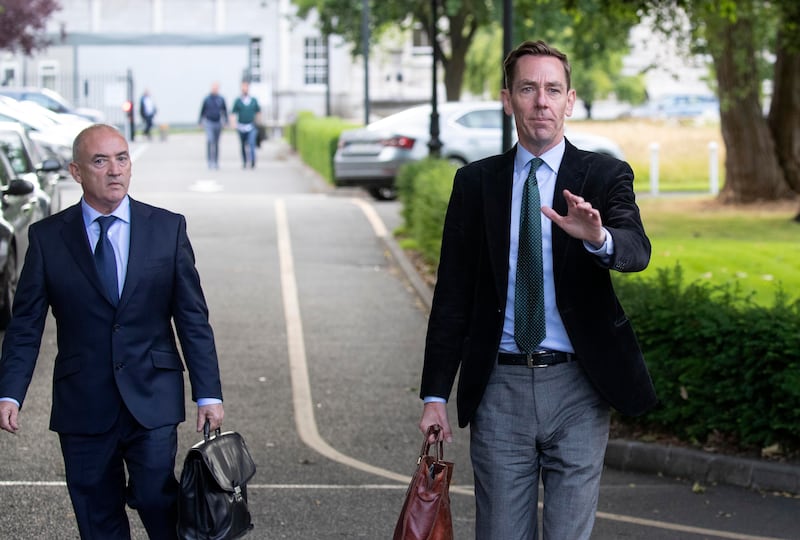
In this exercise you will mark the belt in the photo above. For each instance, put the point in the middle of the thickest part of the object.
(535, 359)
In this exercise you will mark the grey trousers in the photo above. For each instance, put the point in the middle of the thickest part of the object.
(538, 422)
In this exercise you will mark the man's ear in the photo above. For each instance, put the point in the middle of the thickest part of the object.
(75, 171)
(505, 96)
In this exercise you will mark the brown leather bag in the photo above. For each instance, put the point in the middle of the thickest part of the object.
(426, 510)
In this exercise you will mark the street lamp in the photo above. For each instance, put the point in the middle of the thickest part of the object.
(365, 50)
(434, 144)
(508, 30)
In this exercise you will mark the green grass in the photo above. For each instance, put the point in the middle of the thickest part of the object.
(756, 249)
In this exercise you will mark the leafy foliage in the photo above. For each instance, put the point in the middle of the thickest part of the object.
(22, 23)
(315, 140)
(720, 363)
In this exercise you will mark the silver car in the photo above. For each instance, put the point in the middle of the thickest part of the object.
(369, 157)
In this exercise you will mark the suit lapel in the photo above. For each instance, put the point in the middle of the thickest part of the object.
(496, 183)
(77, 243)
(137, 253)
(571, 176)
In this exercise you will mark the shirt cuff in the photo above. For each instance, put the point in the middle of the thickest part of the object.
(434, 399)
(605, 251)
(12, 400)
(208, 401)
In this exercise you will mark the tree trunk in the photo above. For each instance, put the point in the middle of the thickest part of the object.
(752, 170)
(461, 30)
(784, 114)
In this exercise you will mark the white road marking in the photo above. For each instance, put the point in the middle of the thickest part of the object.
(206, 186)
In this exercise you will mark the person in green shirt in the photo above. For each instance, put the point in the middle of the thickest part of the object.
(247, 113)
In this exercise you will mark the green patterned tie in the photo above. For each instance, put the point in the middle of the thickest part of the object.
(529, 324)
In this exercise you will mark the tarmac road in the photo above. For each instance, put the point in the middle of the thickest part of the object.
(320, 337)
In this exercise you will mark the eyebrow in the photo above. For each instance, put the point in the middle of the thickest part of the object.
(547, 84)
(118, 154)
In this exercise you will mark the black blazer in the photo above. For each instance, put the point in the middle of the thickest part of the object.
(110, 355)
(466, 320)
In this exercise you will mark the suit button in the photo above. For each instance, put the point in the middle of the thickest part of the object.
(119, 366)
(116, 328)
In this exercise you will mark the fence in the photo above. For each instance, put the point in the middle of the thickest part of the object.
(713, 168)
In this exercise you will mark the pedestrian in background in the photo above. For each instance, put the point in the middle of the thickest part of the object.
(147, 108)
(248, 114)
(117, 274)
(524, 307)
(213, 117)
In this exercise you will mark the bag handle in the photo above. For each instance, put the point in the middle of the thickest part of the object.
(435, 430)
(207, 430)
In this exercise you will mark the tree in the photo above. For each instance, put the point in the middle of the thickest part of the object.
(762, 154)
(459, 21)
(587, 35)
(22, 24)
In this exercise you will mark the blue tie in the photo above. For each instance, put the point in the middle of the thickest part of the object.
(529, 322)
(104, 259)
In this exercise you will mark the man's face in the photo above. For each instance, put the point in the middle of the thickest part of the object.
(540, 102)
(102, 166)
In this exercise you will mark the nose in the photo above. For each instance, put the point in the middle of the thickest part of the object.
(114, 168)
(541, 97)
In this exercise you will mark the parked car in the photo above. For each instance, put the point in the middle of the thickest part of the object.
(52, 133)
(369, 157)
(51, 100)
(25, 158)
(20, 208)
(679, 107)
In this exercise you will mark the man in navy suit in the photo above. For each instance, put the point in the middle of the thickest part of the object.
(118, 392)
(536, 409)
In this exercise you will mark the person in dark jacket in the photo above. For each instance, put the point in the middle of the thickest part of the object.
(120, 279)
(213, 117)
(525, 309)
(147, 108)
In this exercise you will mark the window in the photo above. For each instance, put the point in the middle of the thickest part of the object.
(483, 119)
(255, 60)
(48, 75)
(8, 75)
(316, 61)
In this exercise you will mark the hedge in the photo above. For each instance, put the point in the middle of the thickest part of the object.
(315, 140)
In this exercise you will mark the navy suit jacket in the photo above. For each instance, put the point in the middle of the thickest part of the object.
(466, 321)
(109, 356)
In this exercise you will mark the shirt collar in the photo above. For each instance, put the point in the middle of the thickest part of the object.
(121, 212)
(552, 157)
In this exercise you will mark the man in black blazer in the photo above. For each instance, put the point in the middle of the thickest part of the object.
(118, 392)
(542, 411)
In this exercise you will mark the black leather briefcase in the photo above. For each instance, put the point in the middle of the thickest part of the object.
(213, 488)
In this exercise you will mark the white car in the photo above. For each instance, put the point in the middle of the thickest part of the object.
(53, 132)
(369, 157)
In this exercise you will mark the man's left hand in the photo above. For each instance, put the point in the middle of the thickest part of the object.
(582, 220)
(213, 413)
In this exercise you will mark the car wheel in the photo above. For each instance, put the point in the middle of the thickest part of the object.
(383, 193)
(8, 287)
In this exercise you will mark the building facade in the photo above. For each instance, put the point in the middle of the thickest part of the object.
(104, 52)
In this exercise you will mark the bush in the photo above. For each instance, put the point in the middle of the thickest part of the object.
(315, 139)
(721, 364)
(424, 189)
